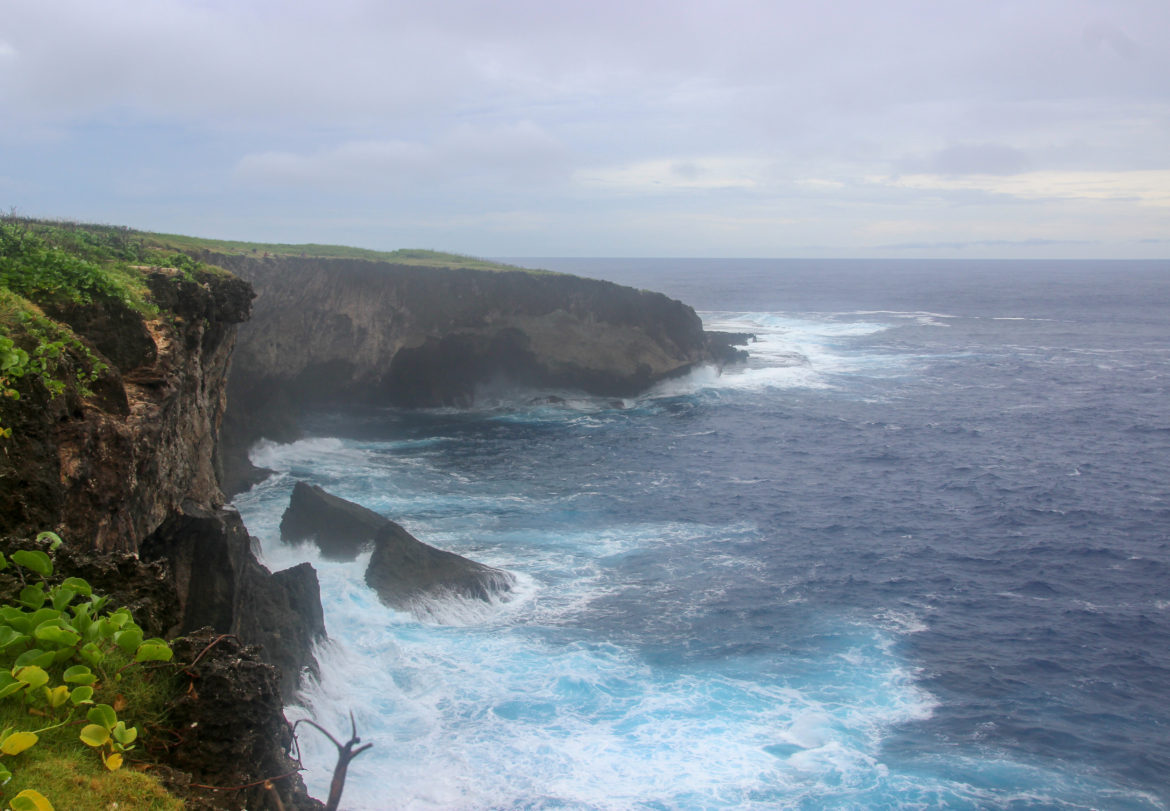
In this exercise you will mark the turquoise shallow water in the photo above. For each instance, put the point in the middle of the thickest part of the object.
(915, 554)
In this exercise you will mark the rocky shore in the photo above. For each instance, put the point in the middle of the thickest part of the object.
(132, 469)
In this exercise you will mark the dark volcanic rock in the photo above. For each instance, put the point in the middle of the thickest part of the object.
(403, 570)
(340, 528)
(221, 584)
(722, 346)
(232, 731)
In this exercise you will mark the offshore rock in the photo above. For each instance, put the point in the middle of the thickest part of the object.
(340, 528)
(335, 332)
(723, 346)
(403, 570)
(220, 584)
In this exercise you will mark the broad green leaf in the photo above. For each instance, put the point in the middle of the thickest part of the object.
(91, 653)
(15, 617)
(81, 695)
(113, 762)
(44, 615)
(61, 596)
(5, 775)
(33, 676)
(79, 674)
(10, 686)
(32, 596)
(57, 633)
(34, 560)
(154, 650)
(30, 800)
(102, 714)
(128, 640)
(78, 585)
(120, 617)
(37, 657)
(94, 735)
(57, 696)
(9, 636)
(123, 734)
(81, 618)
(17, 742)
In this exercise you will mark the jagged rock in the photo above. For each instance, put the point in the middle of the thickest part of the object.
(722, 346)
(220, 584)
(403, 570)
(231, 729)
(340, 528)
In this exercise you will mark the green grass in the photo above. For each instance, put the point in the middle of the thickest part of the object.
(403, 256)
(74, 785)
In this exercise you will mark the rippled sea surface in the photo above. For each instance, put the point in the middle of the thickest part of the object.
(914, 554)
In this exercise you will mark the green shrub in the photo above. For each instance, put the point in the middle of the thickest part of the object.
(70, 672)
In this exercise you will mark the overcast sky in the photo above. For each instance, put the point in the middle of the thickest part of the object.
(1013, 128)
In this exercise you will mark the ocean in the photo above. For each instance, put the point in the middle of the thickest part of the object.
(914, 554)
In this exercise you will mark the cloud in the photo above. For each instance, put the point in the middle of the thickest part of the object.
(1150, 188)
(970, 159)
(520, 153)
(659, 114)
(667, 175)
(1102, 32)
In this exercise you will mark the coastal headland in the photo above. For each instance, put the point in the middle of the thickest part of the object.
(140, 368)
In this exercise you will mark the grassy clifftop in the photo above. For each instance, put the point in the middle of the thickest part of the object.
(404, 256)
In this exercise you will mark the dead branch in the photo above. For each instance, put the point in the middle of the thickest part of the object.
(345, 753)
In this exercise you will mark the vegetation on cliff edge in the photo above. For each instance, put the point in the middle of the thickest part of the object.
(79, 688)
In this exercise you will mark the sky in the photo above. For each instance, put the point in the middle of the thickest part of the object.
(512, 128)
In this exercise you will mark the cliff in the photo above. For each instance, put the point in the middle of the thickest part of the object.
(114, 445)
(336, 331)
(105, 470)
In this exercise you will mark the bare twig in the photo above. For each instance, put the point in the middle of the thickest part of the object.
(345, 753)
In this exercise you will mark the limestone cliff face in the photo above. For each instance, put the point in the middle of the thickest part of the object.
(335, 331)
(106, 470)
(131, 466)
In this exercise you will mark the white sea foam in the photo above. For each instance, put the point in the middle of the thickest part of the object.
(518, 703)
(789, 353)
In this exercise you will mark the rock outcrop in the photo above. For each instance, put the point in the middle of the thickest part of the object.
(333, 332)
(404, 571)
(340, 528)
(234, 732)
(220, 584)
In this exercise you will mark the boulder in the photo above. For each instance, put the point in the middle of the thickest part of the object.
(340, 528)
(403, 570)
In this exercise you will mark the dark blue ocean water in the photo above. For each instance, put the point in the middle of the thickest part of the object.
(916, 554)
